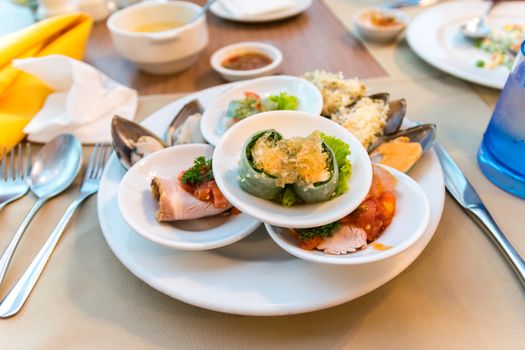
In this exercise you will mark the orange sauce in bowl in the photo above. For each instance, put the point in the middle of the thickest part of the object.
(246, 61)
(381, 20)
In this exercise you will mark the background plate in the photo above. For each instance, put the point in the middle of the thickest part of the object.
(434, 36)
(302, 5)
(253, 276)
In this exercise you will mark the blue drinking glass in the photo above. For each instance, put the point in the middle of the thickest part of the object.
(501, 155)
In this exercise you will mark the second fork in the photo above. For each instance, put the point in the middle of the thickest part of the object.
(14, 176)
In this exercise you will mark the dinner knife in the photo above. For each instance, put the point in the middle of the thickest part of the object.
(463, 192)
(406, 3)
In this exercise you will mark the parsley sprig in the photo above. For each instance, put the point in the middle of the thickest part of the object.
(201, 171)
(323, 231)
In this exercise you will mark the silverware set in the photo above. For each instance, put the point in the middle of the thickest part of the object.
(13, 177)
(54, 169)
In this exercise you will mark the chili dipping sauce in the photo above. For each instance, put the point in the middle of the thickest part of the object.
(246, 61)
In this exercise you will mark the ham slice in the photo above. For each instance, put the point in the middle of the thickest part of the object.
(345, 239)
(177, 204)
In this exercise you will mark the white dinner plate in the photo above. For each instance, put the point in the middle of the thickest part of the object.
(138, 208)
(289, 124)
(407, 227)
(434, 36)
(253, 276)
(214, 121)
(300, 6)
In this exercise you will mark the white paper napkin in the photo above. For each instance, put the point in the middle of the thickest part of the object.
(84, 102)
(251, 8)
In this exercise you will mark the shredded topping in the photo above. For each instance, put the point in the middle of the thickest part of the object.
(290, 160)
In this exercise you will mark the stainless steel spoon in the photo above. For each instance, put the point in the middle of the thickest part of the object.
(56, 166)
(477, 27)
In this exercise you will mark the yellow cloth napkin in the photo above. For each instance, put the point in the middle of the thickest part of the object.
(21, 94)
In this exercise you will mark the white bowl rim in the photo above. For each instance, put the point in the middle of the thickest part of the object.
(216, 58)
(400, 16)
(114, 28)
(350, 259)
(179, 245)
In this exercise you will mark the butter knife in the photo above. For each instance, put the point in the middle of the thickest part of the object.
(406, 3)
(463, 192)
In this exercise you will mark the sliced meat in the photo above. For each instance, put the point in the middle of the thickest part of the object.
(345, 239)
(177, 204)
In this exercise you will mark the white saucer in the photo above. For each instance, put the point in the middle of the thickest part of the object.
(289, 123)
(138, 208)
(407, 227)
(214, 122)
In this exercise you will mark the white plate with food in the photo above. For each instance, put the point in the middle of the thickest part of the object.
(170, 198)
(435, 37)
(259, 11)
(253, 276)
(256, 96)
(392, 218)
(281, 168)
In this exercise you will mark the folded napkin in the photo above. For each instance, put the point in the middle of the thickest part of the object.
(83, 102)
(21, 94)
(251, 8)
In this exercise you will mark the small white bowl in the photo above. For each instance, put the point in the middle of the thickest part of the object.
(161, 52)
(213, 122)
(378, 33)
(226, 52)
(138, 207)
(289, 123)
(407, 227)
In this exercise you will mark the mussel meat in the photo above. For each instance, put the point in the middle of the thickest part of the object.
(132, 141)
(185, 127)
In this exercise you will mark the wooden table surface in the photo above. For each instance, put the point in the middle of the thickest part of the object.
(309, 41)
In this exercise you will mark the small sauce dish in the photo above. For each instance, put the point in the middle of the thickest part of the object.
(246, 60)
(380, 24)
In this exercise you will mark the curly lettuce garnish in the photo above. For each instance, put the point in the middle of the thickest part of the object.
(341, 151)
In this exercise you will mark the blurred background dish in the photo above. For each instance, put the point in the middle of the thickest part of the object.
(257, 10)
(380, 24)
(435, 36)
(246, 60)
(159, 37)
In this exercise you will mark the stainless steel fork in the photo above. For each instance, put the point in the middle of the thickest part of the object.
(14, 177)
(15, 299)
